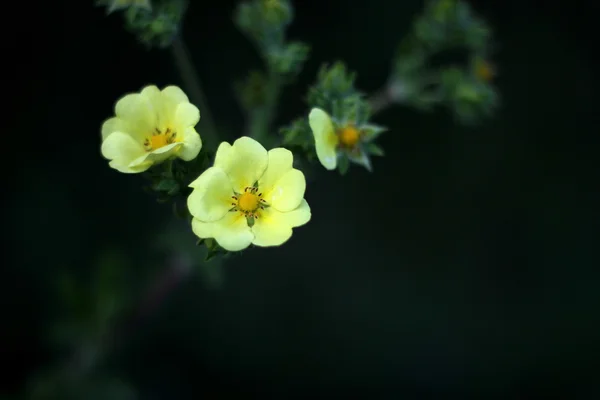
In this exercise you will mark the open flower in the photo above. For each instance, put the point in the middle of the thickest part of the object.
(150, 127)
(343, 140)
(249, 196)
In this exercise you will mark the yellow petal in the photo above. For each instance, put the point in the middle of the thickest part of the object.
(137, 111)
(122, 149)
(151, 92)
(186, 115)
(163, 153)
(211, 198)
(274, 228)
(136, 169)
(191, 145)
(325, 138)
(175, 94)
(288, 191)
(280, 162)
(114, 124)
(231, 232)
(245, 161)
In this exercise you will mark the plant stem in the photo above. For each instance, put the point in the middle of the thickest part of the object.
(260, 120)
(191, 81)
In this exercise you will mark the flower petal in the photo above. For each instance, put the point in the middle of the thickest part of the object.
(211, 198)
(325, 138)
(122, 149)
(280, 162)
(245, 161)
(186, 115)
(175, 94)
(231, 232)
(137, 111)
(274, 228)
(191, 145)
(114, 124)
(287, 193)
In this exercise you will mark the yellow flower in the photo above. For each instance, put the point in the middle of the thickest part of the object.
(343, 140)
(150, 127)
(249, 196)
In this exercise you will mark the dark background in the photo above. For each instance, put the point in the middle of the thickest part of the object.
(466, 261)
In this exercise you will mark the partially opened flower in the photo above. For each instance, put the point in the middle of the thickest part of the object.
(249, 196)
(345, 140)
(150, 127)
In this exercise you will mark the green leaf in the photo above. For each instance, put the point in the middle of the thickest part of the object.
(372, 131)
(361, 158)
(343, 164)
(298, 133)
(374, 149)
(171, 186)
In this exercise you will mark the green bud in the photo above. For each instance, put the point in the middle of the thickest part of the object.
(289, 59)
(158, 26)
(334, 85)
(264, 22)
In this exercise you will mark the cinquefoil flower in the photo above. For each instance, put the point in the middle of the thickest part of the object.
(150, 127)
(249, 196)
(336, 139)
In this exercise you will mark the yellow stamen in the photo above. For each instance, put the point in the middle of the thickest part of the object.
(349, 136)
(160, 139)
(248, 202)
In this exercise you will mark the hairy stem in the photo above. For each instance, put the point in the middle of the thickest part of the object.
(191, 81)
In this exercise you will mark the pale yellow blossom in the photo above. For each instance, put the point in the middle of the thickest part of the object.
(249, 196)
(150, 127)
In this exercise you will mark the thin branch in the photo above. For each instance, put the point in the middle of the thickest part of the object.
(191, 81)
(261, 119)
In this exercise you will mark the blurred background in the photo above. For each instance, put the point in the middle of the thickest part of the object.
(466, 262)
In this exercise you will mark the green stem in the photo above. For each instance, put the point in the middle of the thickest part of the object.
(260, 120)
(191, 81)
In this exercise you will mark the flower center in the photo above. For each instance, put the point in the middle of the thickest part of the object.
(160, 139)
(349, 136)
(249, 202)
